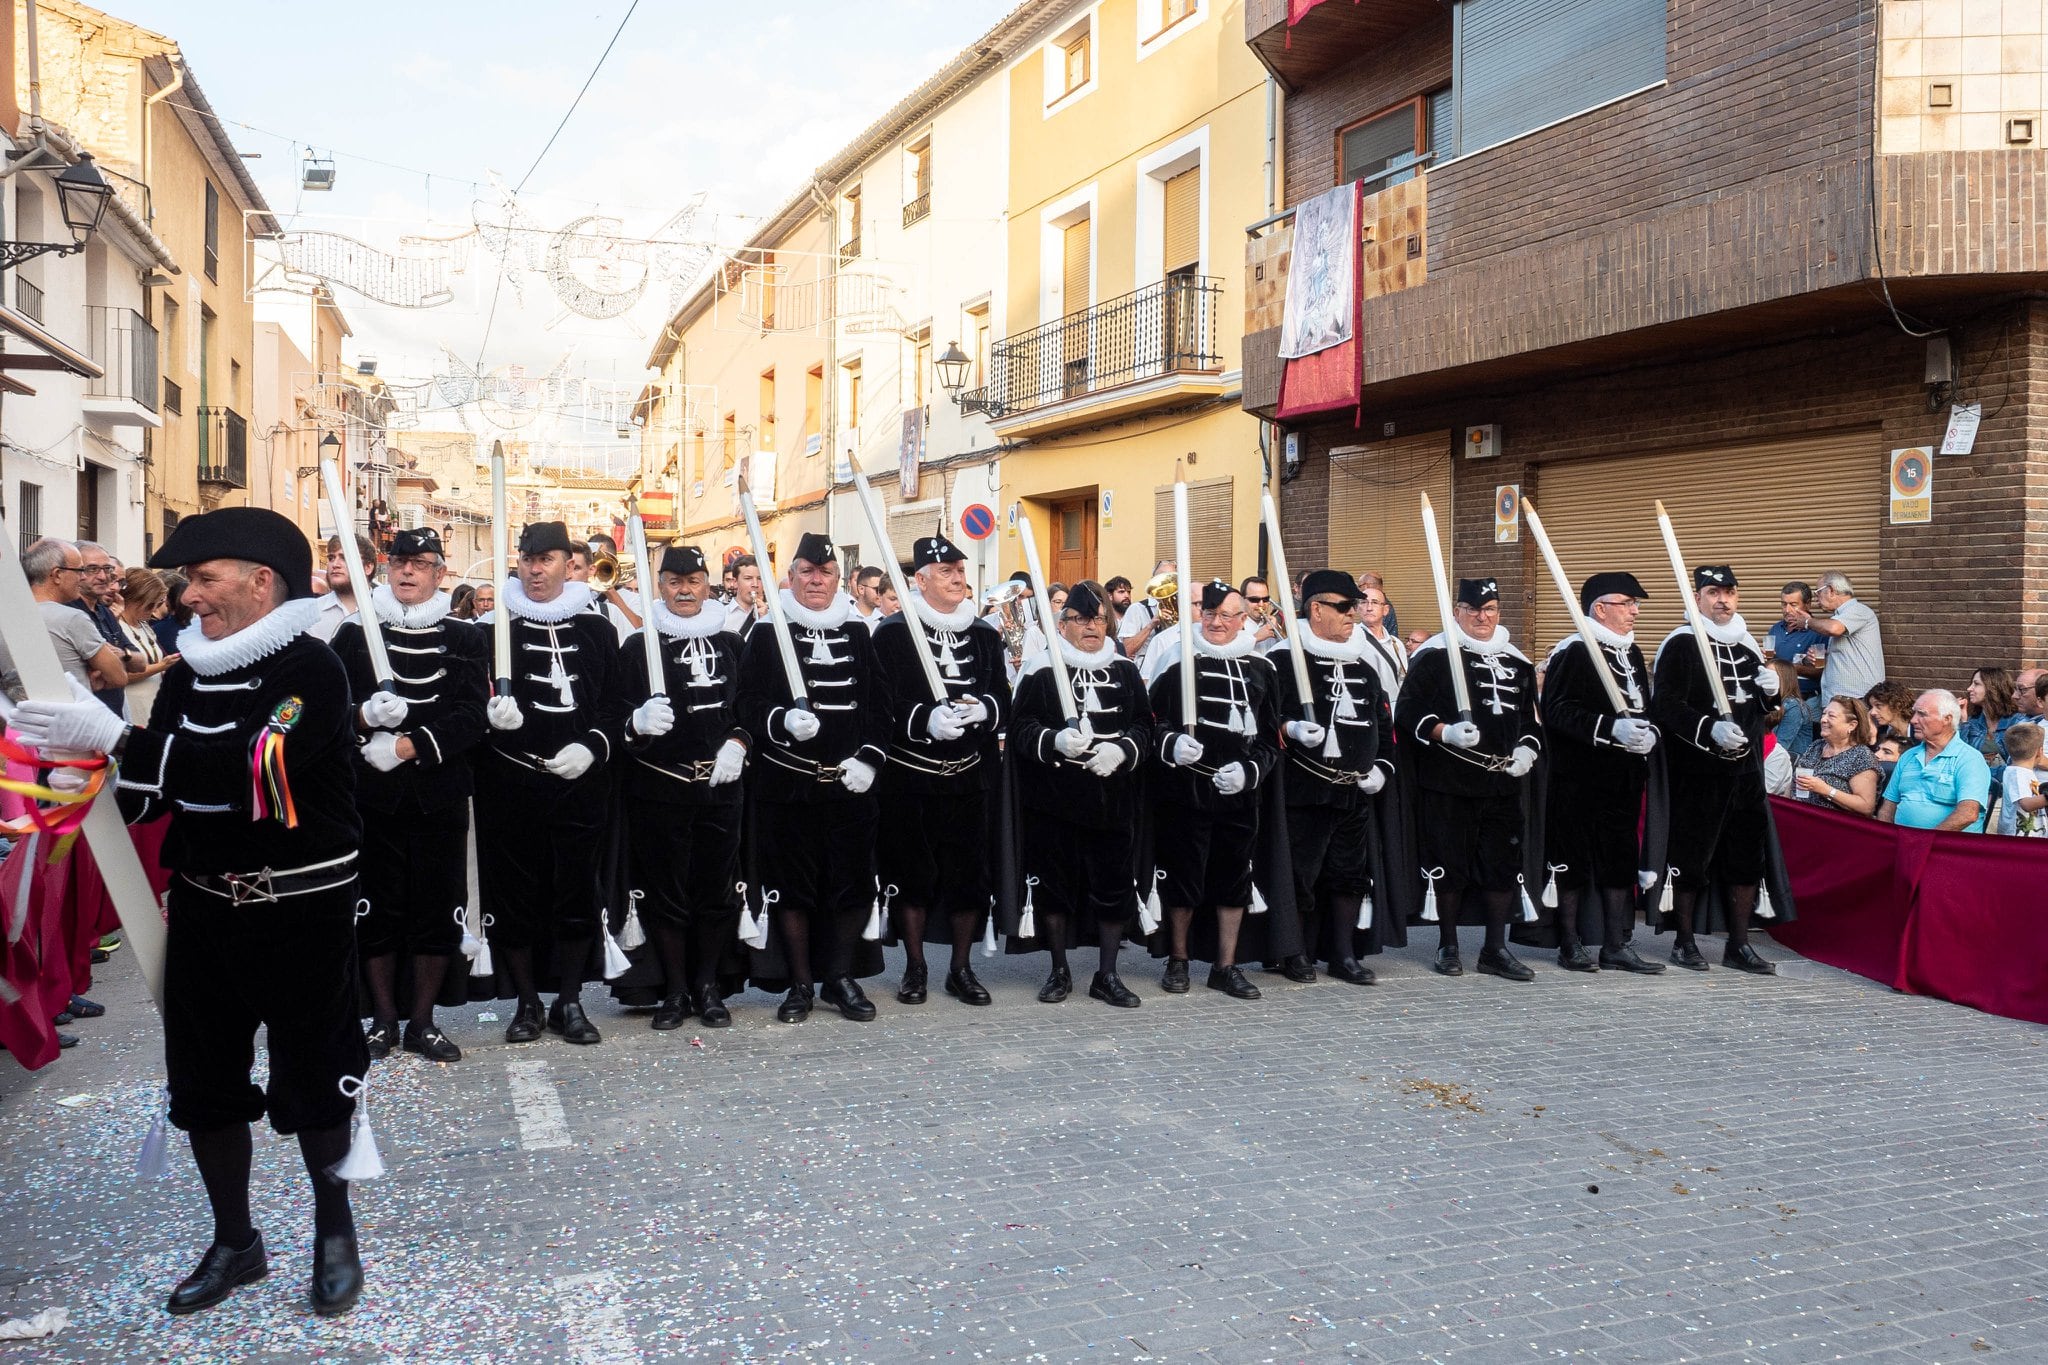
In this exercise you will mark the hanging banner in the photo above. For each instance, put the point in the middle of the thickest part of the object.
(1912, 485)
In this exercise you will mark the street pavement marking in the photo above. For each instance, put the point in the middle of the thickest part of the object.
(592, 1316)
(534, 1099)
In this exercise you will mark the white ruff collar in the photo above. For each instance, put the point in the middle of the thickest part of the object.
(831, 618)
(1612, 639)
(1736, 632)
(393, 612)
(1237, 647)
(704, 624)
(575, 599)
(259, 639)
(1349, 650)
(1079, 658)
(956, 620)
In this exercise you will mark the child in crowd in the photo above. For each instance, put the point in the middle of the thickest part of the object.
(1887, 751)
(2022, 808)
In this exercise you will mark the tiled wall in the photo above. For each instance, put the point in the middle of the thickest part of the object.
(1982, 57)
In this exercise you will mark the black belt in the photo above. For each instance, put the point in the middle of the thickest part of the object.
(942, 767)
(700, 770)
(797, 763)
(265, 886)
(1336, 777)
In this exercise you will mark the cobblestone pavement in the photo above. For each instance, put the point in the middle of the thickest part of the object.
(1684, 1168)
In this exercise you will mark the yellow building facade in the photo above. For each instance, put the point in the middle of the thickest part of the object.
(1137, 145)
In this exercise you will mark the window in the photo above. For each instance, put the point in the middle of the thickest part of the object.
(767, 441)
(1209, 527)
(234, 381)
(89, 502)
(212, 233)
(1517, 67)
(1157, 18)
(1070, 60)
(768, 291)
(174, 360)
(849, 227)
(983, 341)
(1183, 245)
(31, 514)
(696, 457)
(917, 204)
(1387, 148)
(921, 366)
(851, 407)
(814, 402)
(1075, 265)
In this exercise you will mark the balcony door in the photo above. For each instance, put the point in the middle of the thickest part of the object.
(1073, 539)
(1182, 254)
(1076, 270)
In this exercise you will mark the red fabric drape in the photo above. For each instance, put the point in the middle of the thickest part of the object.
(1955, 916)
(1330, 380)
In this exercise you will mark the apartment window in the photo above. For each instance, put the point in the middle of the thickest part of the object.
(849, 240)
(212, 233)
(1182, 250)
(852, 406)
(696, 457)
(918, 200)
(1070, 60)
(89, 502)
(234, 381)
(1157, 17)
(921, 370)
(768, 291)
(1387, 148)
(814, 403)
(173, 355)
(1517, 67)
(984, 341)
(1076, 259)
(31, 514)
(767, 441)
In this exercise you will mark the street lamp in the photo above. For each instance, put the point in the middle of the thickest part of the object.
(82, 195)
(953, 367)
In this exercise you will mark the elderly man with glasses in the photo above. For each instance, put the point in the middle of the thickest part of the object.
(1938, 784)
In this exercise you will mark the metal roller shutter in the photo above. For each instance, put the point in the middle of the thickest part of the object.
(1522, 64)
(1376, 517)
(1209, 528)
(1776, 512)
(1184, 220)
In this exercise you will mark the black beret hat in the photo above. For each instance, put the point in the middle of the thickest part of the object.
(814, 549)
(929, 550)
(1477, 592)
(1602, 584)
(1214, 593)
(254, 534)
(1082, 601)
(682, 559)
(1329, 583)
(1712, 576)
(539, 537)
(425, 541)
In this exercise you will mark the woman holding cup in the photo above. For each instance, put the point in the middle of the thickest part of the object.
(1838, 769)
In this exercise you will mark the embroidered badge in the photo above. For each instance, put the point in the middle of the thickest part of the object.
(287, 713)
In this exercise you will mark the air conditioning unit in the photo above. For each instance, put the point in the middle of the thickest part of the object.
(1482, 443)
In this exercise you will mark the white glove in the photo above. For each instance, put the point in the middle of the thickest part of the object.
(503, 713)
(67, 780)
(1461, 734)
(1106, 759)
(732, 761)
(1646, 879)
(1186, 749)
(1524, 758)
(944, 724)
(971, 710)
(1729, 735)
(1071, 742)
(1767, 682)
(801, 725)
(383, 711)
(381, 752)
(1304, 732)
(856, 776)
(1636, 736)
(82, 725)
(1229, 779)
(1371, 783)
(654, 718)
(571, 763)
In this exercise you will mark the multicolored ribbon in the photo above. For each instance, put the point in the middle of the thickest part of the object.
(271, 788)
(47, 809)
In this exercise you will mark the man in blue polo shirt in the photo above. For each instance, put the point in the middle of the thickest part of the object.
(1938, 784)
(1788, 643)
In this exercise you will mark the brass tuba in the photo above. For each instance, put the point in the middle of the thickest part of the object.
(1164, 590)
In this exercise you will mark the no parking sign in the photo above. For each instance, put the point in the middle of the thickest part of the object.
(977, 521)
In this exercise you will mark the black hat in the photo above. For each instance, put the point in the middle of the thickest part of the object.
(1712, 576)
(1477, 592)
(1329, 583)
(934, 549)
(255, 534)
(425, 541)
(1082, 601)
(1214, 592)
(813, 548)
(682, 559)
(539, 537)
(1601, 584)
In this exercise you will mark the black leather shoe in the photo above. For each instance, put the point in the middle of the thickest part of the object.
(1577, 957)
(567, 1018)
(526, 1022)
(1744, 958)
(82, 1008)
(916, 981)
(1298, 968)
(711, 1009)
(1057, 987)
(1233, 982)
(1687, 955)
(430, 1043)
(63, 1017)
(1110, 990)
(65, 1040)
(1352, 970)
(670, 1013)
(337, 1275)
(795, 1007)
(1624, 959)
(1504, 964)
(380, 1038)
(845, 993)
(965, 987)
(1447, 963)
(1174, 981)
(222, 1270)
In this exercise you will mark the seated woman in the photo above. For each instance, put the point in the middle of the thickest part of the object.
(1989, 712)
(1838, 769)
(1891, 711)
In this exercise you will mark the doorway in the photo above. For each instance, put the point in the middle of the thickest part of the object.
(1073, 539)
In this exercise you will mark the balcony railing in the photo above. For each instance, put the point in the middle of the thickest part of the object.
(917, 209)
(223, 447)
(28, 298)
(123, 344)
(1162, 329)
(851, 251)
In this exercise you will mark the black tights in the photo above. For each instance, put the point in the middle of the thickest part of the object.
(689, 954)
(1109, 941)
(1499, 904)
(1741, 912)
(1229, 920)
(910, 924)
(569, 958)
(1606, 917)
(223, 1158)
(381, 972)
(796, 944)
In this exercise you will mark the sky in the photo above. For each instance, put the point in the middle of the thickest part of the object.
(738, 102)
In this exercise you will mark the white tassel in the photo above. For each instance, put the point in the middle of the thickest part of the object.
(1432, 876)
(480, 965)
(1763, 903)
(1241, 721)
(616, 963)
(1365, 913)
(989, 947)
(878, 916)
(1091, 699)
(1550, 887)
(364, 1161)
(1665, 902)
(1149, 911)
(155, 1156)
(1331, 748)
(821, 650)
(949, 662)
(1258, 905)
(631, 935)
(1529, 915)
(471, 944)
(757, 937)
(1027, 923)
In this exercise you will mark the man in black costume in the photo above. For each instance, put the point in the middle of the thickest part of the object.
(1599, 764)
(249, 754)
(542, 797)
(1471, 829)
(685, 753)
(943, 761)
(814, 808)
(1720, 816)
(413, 787)
(1079, 788)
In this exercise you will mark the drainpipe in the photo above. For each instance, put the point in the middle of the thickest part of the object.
(149, 103)
(1272, 145)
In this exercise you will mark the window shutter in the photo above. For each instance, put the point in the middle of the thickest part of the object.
(1521, 64)
(1376, 517)
(1184, 220)
(1209, 528)
(1074, 249)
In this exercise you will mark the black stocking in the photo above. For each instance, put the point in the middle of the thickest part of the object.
(1052, 932)
(570, 955)
(1109, 941)
(427, 971)
(322, 1148)
(1178, 918)
(1572, 928)
(1498, 905)
(845, 938)
(1618, 904)
(381, 974)
(1343, 925)
(962, 924)
(910, 921)
(1229, 920)
(671, 951)
(519, 971)
(796, 945)
(1448, 906)
(1684, 905)
(1741, 911)
(708, 936)
(222, 1155)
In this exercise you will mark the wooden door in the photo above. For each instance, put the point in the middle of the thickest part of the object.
(1073, 540)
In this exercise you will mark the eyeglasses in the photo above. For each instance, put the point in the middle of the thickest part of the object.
(99, 570)
(1222, 615)
(65, 568)
(1615, 602)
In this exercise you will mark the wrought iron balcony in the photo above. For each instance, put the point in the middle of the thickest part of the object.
(28, 298)
(123, 344)
(850, 251)
(918, 209)
(223, 447)
(1163, 329)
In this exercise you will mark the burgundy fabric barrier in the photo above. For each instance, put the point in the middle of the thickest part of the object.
(1961, 917)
